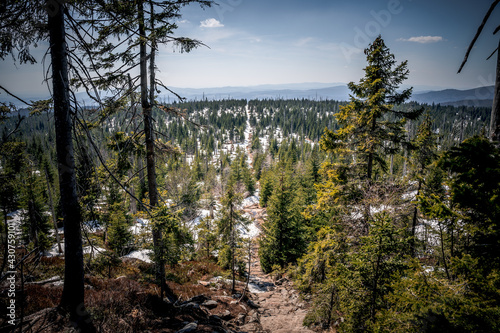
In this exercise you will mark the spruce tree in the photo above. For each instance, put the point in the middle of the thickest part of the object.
(282, 240)
(370, 122)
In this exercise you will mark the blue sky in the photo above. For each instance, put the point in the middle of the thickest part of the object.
(290, 41)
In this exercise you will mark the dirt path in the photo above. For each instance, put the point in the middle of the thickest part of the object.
(279, 305)
(280, 308)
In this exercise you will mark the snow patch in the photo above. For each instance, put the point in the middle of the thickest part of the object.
(143, 255)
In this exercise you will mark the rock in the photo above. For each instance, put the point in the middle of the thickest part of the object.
(197, 299)
(215, 319)
(254, 317)
(240, 320)
(190, 305)
(252, 304)
(191, 327)
(226, 315)
(210, 304)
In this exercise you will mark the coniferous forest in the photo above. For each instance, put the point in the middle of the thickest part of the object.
(128, 214)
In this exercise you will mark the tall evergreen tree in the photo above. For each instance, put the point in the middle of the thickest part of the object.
(370, 122)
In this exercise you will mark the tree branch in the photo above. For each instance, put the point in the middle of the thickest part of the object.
(479, 30)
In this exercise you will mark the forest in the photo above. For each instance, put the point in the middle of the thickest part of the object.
(133, 215)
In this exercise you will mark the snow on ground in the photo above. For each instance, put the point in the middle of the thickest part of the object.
(193, 223)
(54, 250)
(140, 226)
(249, 231)
(410, 196)
(94, 250)
(250, 201)
(92, 226)
(427, 230)
(143, 255)
(14, 222)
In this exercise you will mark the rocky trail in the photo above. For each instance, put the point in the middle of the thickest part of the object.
(280, 308)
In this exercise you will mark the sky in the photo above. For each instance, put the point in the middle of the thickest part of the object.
(253, 42)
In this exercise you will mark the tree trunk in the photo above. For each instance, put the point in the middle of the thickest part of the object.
(53, 212)
(495, 110)
(133, 202)
(414, 222)
(150, 149)
(73, 293)
(233, 246)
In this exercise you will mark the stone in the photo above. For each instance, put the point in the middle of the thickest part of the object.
(254, 317)
(210, 304)
(252, 304)
(190, 305)
(215, 319)
(240, 320)
(226, 315)
(191, 327)
(197, 299)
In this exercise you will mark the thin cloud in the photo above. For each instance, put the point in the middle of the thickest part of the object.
(304, 41)
(211, 23)
(422, 39)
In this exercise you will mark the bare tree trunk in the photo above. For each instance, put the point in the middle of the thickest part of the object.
(150, 149)
(495, 110)
(73, 293)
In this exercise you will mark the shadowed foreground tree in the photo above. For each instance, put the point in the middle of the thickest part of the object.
(142, 24)
(25, 24)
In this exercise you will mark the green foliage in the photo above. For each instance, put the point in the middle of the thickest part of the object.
(282, 241)
(119, 236)
(369, 122)
(207, 237)
(106, 261)
(475, 190)
(422, 300)
(351, 281)
(36, 224)
(176, 241)
(267, 182)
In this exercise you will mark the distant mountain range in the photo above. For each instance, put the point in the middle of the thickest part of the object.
(482, 96)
